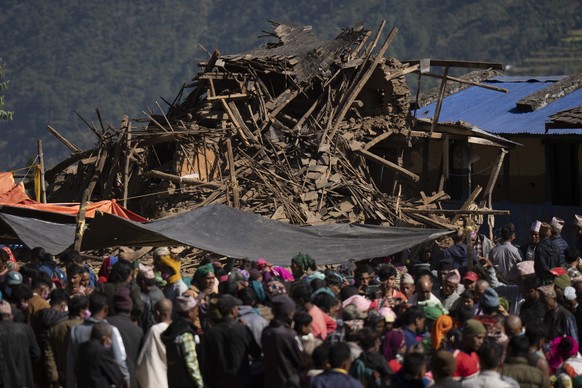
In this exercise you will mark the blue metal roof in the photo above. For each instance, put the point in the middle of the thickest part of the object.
(496, 112)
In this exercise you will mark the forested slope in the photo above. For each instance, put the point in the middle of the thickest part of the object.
(124, 56)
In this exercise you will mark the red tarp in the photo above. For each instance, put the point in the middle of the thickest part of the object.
(12, 194)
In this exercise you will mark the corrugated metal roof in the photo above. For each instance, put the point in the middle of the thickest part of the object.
(496, 112)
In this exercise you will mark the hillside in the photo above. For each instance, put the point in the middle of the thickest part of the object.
(125, 57)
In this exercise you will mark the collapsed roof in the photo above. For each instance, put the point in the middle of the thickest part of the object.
(302, 130)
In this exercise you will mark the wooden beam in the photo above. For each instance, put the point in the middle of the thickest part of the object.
(468, 202)
(114, 162)
(430, 221)
(63, 140)
(232, 170)
(462, 81)
(182, 180)
(439, 104)
(453, 63)
(454, 211)
(127, 153)
(41, 163)
(393, 166)
(377, 140)
(80, 219)
(487, 195)
(226, 96)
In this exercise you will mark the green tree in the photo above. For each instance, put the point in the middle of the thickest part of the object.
(4, 114)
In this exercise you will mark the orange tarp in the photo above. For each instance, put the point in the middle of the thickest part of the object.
(12, 194)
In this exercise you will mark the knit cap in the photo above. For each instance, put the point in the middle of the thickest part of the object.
(490, 298)
(562, 281)
(472, 328)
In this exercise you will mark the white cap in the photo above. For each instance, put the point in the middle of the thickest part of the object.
(570, 293)
(557, 223)
(535, 226)
(577, 220)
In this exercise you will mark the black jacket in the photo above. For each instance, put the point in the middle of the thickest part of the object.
(225, 355)
(132, 335)
(282, 352)
(178, 375)
(96, 366)
(18, 352)
(547, 257)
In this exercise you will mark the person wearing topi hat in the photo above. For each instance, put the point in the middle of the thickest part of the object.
(529, 250)
(557, 240)
(547, 256)
(407, 285)
(449, 290)
(180, 339)
(557, 319)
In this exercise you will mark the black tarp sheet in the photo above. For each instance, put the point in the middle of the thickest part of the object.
(229, 232)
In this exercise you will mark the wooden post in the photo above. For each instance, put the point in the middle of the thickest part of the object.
(114, 162)
(469, 242)
(487, 195)
(437, 111)
(232, 169)
(80, 220)
(126, 163)
(41, 162)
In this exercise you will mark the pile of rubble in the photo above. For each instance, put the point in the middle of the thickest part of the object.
(296, 130)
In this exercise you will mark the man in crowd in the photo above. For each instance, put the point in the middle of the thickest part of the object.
(505, 256)
(559, 243)
(180, 339)
(152, 361)
(99, 308)
(528, 251)
(557, 319)
(19, 350)
(131, 334)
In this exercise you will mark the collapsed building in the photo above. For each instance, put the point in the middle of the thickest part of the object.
(302, 130)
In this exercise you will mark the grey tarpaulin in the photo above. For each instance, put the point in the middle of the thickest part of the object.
(225, 231)
(235, 233)
(33, 232)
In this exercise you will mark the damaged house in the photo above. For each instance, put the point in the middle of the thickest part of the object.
(302, 130)
(541, 178)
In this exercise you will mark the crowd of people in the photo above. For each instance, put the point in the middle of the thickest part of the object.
(484, 314)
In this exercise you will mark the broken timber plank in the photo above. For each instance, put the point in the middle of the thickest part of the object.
(468, 202)
(226, 96)
(493, 179)
(401, 170)
(232, 170)
(377, 139)
(182, 180)
(454, 211)
(462, 81)
(62, 139)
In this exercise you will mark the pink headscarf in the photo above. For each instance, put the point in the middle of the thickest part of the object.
(361, 303)
(560, 351)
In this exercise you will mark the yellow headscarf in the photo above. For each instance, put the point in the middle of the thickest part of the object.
(174, 265)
